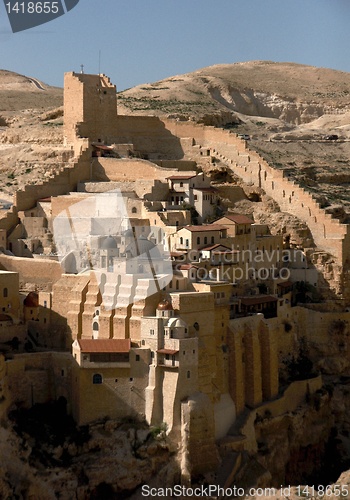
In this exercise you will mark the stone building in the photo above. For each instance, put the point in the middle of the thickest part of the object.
(192, 347)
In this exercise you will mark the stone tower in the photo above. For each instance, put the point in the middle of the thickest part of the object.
(90, 107)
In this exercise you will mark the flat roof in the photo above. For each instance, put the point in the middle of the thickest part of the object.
(181, 177)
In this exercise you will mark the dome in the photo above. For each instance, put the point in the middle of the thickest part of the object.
(165, 305)
(31, 300)
(128, 233)
(176, 323)
(140, 246)
(109, 243)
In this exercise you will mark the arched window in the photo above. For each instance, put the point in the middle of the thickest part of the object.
(181, 184)
(181, 240)
(134, 210)
(97, 378)
(95, 326)
(5, 292)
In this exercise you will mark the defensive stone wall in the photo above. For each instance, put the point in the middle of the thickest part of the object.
(36, 378)
(104, 169)
(9, 220)
(43, 272)
(64, 181)
(149, 136)
(292, 397)
(328, 233)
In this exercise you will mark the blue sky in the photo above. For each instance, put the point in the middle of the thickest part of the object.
(144, 41)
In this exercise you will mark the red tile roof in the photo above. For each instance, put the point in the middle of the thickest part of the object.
(261, 299)
(207, 227)
(102, 146)
(285, 284)
(237, 218)
(212, 247)
(166, 351)
(177, 254)
(104, 345)
(186, 267)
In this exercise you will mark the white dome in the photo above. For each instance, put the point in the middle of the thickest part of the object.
(176, 323)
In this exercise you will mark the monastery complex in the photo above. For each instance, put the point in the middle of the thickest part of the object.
(127, 289)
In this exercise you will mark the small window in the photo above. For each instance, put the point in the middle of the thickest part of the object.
(62, 373)
(188, 374)
(137, 357)
(97, 378)
(131, 379)
(45, 303)
(5, 292)
(181, 184)
(134, 210)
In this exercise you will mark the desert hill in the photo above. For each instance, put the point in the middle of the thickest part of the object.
(18, 92)
(292, 92)
(287, 109)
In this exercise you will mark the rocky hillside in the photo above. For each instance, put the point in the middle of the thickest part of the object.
(19, 92)
(290, 111)
(289, 92)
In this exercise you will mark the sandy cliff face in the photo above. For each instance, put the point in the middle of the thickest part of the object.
(47, 460)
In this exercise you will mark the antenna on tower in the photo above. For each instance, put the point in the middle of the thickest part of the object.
(82, 69)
